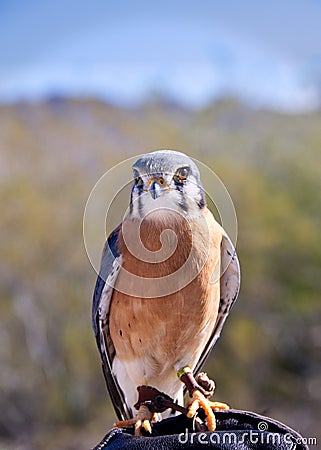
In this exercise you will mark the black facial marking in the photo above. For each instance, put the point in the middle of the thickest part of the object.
(140, 205)
(182, 201)
(138, 186)
(202, 201)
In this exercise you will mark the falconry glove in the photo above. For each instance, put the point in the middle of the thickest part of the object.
(236, 430)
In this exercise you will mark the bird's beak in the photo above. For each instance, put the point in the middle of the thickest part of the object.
(157, 186)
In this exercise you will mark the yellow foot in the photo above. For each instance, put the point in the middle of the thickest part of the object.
(199, 400)
(142, 421)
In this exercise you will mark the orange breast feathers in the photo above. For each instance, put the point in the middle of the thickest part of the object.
(177, 258)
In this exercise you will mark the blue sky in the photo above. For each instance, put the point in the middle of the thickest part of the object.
(266, 53)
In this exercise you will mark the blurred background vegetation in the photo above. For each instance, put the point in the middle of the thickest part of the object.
(52, 393)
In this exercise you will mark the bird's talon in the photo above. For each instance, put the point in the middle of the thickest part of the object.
(125, 423)
(218, 406)
(156, 417)
(143, 420)
(138, 427)
(142, 425)
(200, 401)
(147, 426)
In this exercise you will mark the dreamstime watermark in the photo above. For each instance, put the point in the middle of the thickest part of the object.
(107, 207)
(250, 437)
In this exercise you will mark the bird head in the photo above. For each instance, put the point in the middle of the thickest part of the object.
(166, 179)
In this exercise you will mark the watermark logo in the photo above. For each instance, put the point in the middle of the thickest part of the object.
(262, 426)
(108, 206)
(238, 439)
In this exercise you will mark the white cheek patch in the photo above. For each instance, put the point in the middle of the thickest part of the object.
(168, 200)
(192, 190)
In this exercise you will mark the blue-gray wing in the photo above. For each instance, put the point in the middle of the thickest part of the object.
(110, 266)
(229, 289)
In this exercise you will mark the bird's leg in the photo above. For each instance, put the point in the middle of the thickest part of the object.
(150, 402)
(199, 389)
(141, 421)
(209, 386)
(144, 418)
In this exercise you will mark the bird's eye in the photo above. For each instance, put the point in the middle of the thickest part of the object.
(181, 175)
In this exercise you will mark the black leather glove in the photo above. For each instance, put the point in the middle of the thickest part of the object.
(235, 430)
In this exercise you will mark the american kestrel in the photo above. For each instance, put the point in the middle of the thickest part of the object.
(168, 279)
